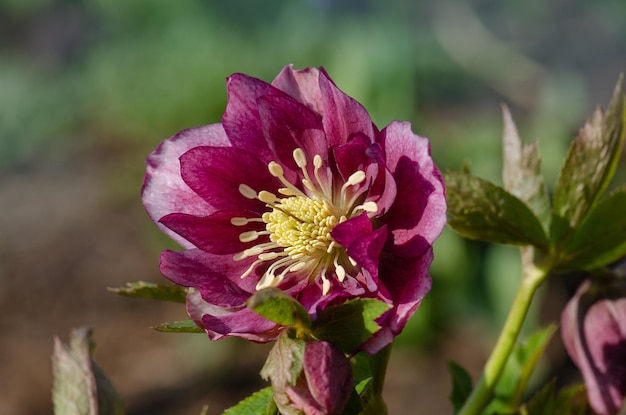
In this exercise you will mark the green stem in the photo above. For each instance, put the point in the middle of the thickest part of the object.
(531, 280)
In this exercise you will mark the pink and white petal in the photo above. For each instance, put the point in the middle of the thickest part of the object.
(342, 115)
(219, 323)
(215, 233)
(302, 84)
(216, 174)
(216, 277)
(163, 190)
(419, 185)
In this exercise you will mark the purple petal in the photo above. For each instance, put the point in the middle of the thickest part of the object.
(419, 185)
(342, 115)
(216, 277)
(214, 234)
(349, 231)
(163, 190)
(407, 281)
(215, 174)
(241, 119)
(287, 125)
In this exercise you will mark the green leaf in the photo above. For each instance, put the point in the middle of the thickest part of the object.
(183, 326)
(571, 400)
(521, 172)
(350, 324)
(513, 383)
(255, 404)
(142, 289)
(281, 308)
(478, 209)
(589, 166)
(601, 237)
(461, 385)
(80, 387)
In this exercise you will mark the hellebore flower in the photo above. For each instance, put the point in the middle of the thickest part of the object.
(296, 189)
(593, 328)
(313, 378)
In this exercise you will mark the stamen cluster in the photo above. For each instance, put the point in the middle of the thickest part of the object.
(299, 225)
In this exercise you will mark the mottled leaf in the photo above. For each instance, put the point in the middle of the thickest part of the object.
(601, 237)
(142, 289)
(461, 385)
(281, 308)
(285, 361)
(350, 324)
(80, 387)
(183, 326)
(255, 404)
(478, 209)
(521, 172)
(589, 166)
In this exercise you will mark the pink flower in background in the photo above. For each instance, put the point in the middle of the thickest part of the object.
(296, 189)
(593, 328)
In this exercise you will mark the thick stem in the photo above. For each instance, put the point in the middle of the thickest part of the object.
(531, 280)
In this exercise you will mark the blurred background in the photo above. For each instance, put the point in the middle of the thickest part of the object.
(89, 88)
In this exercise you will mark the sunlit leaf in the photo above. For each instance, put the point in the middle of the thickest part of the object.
(142, 289)
(521, 172)
(478, 209)
(255, 404)
(281, 308)
(350, 324)
(589, 166)
(183, 326)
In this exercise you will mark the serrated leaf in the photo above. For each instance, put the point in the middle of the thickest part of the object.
(183, 326)
(601, 237)
(589, 166)
(255, 404)
(281, 308)
(521, 172)
(461, 385)
(80, 387)
(350, 324)
(143, 289)
(478, 209)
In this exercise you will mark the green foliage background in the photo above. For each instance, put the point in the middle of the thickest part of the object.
(104, 81)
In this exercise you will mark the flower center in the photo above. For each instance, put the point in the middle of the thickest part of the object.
(299, 225)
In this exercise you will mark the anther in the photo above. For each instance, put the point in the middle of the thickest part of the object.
(275, 169)
(268, 197)
(299, 157)
(247, 191)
